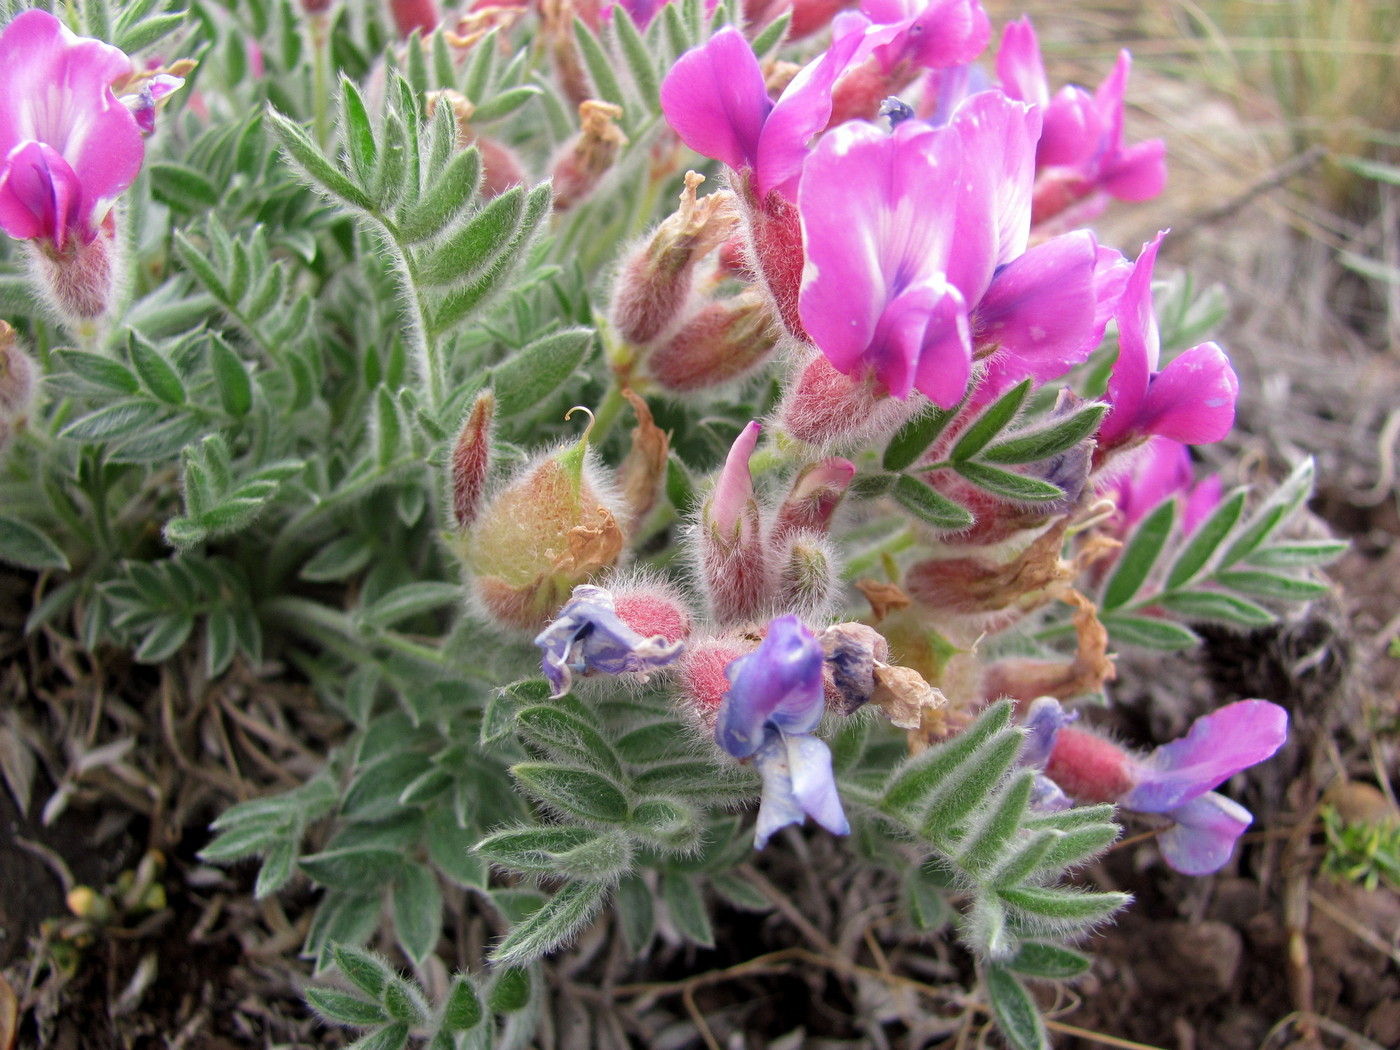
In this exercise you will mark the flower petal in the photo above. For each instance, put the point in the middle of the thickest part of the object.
(715, 99)
(1193, 399)
(1204, 835)
(779, 685)
(1216, 747)
(1138, 346)
(40, 196)
(813, 785)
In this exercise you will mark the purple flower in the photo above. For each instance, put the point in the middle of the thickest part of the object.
(588, 637)
(1192, 400)
(1161, 471)
(69, 147)
(716, 100)
(916, 252)
(1081, 149)
(1175, 780)
(774, 701)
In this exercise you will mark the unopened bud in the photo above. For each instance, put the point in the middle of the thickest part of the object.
(827, 408)
(79, 280)
(814, 496)
(549, 530)
(471, 460)
(808, 577)
(734, 564)
(414, 15)
(724, 340)
(651, 607)
(654, 282)
(1088, 767)
(775, 229)
(17, 378)
(593, 152)
(702, 679)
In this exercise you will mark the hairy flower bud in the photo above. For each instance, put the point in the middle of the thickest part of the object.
(583, 163)
(17, 377)
(826, 408)
(722, 341)
(471, 460)
(702, 678)
(808, 577)
(815, 494)
(412, 16)
(734, 557)
(644, 469)
(654, 282)
(549, 530)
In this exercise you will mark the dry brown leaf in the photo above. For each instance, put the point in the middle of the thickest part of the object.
(904, 696)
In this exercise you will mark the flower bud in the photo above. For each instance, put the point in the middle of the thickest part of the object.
(549, 530)
(734, 563)
(412, 16)
(722, 341)
(593, 152)
(775, 231)
(808, 578)
(814, 497)
(651, 606)
(654, 282)
(471, 460)
(17, 377)
(79, 280)
(826, 408)
(702, 678)
(1088, 767)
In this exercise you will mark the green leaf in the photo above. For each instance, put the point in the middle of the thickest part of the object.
(1215, 607)
(156, 373)
(1302, 554)
(119, 419)
(476, 245)
(182, 187)
(1272, 585)
(365, 971)
(23, 545)
(504, 104)
(988, 843)
(600, 66)
(991, 422)
(410, 600)
(536, 850)
(462, 1011)
(687, 909)
(527, 378)
(926, 904)
(99, 370)
(582, 792)
(510, 991)
(241, 841)
(1208, 537)
(338, 559)
(1150, 633)
(1136, 562)
(317, 168)
(145, 32)
(635, 912)
(640, 62)
(162, 641)
(968, 788)
(930, 507)
(341, 1008)
(568, 737)
(448, 195)
(231, 379)
(417, 909)
(390, 1037)
(220, 640)
(766, 41)
(1044, 442)
(552, 925)
(354, 870)
(915, 436)
(1050, 961)
(909, 787)
(1009, 485)
(1062, 907)
(359, 135)
(1015, 1012)
(1278, 508)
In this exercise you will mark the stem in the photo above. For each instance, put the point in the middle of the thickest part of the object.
(422, 344)
(320, 54)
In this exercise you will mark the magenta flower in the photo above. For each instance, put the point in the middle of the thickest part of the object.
(1192, 400)
(1081, 150)
(1163, 470)
(716, 100)
(734, 554)
(1175, 780)
(69, 146)
(774, 701)
(588, 637)
(916, 252)
(932, 34)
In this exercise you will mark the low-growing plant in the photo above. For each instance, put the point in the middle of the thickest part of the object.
(296, 378)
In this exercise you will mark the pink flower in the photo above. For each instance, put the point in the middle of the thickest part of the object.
(1161, 471)
(1081, 149)
(1192, 400)
(916, 252)
(69, 146)
(1175, 779)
